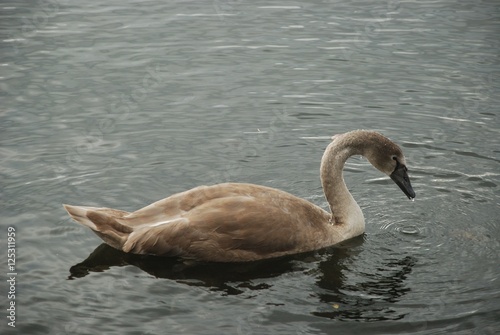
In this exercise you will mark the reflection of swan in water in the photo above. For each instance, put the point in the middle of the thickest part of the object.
(216, 276)
(371, 295)
(368, 299)
(234, 222)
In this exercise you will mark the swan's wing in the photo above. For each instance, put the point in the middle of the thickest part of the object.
(237, 228)
(177, 205)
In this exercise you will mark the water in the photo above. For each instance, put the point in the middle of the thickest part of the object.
(120, 104)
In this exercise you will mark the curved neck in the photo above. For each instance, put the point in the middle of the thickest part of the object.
(343, 207)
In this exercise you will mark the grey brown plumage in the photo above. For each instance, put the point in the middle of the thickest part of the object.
(244, 222)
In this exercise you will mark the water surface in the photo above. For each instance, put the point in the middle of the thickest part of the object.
(120, 104)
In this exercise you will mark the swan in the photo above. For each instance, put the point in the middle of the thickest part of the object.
(237, 222)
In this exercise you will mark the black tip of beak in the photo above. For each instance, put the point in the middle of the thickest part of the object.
(400, 177)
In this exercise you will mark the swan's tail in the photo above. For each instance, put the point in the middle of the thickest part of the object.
(104, 222)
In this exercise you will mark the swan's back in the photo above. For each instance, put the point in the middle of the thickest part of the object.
(225, 222)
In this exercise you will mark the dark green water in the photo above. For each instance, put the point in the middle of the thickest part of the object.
(120, 104)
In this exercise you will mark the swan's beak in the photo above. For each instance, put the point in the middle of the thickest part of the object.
(400, 177)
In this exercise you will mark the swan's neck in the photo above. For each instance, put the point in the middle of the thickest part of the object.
(345, 211)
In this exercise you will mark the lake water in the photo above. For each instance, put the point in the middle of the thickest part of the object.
(122, 103)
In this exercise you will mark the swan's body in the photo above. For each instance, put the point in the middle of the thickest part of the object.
(243, 222)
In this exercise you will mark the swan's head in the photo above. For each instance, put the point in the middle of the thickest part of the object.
(384, 154)
(388, 157)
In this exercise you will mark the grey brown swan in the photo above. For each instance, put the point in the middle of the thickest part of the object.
(235, 222)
